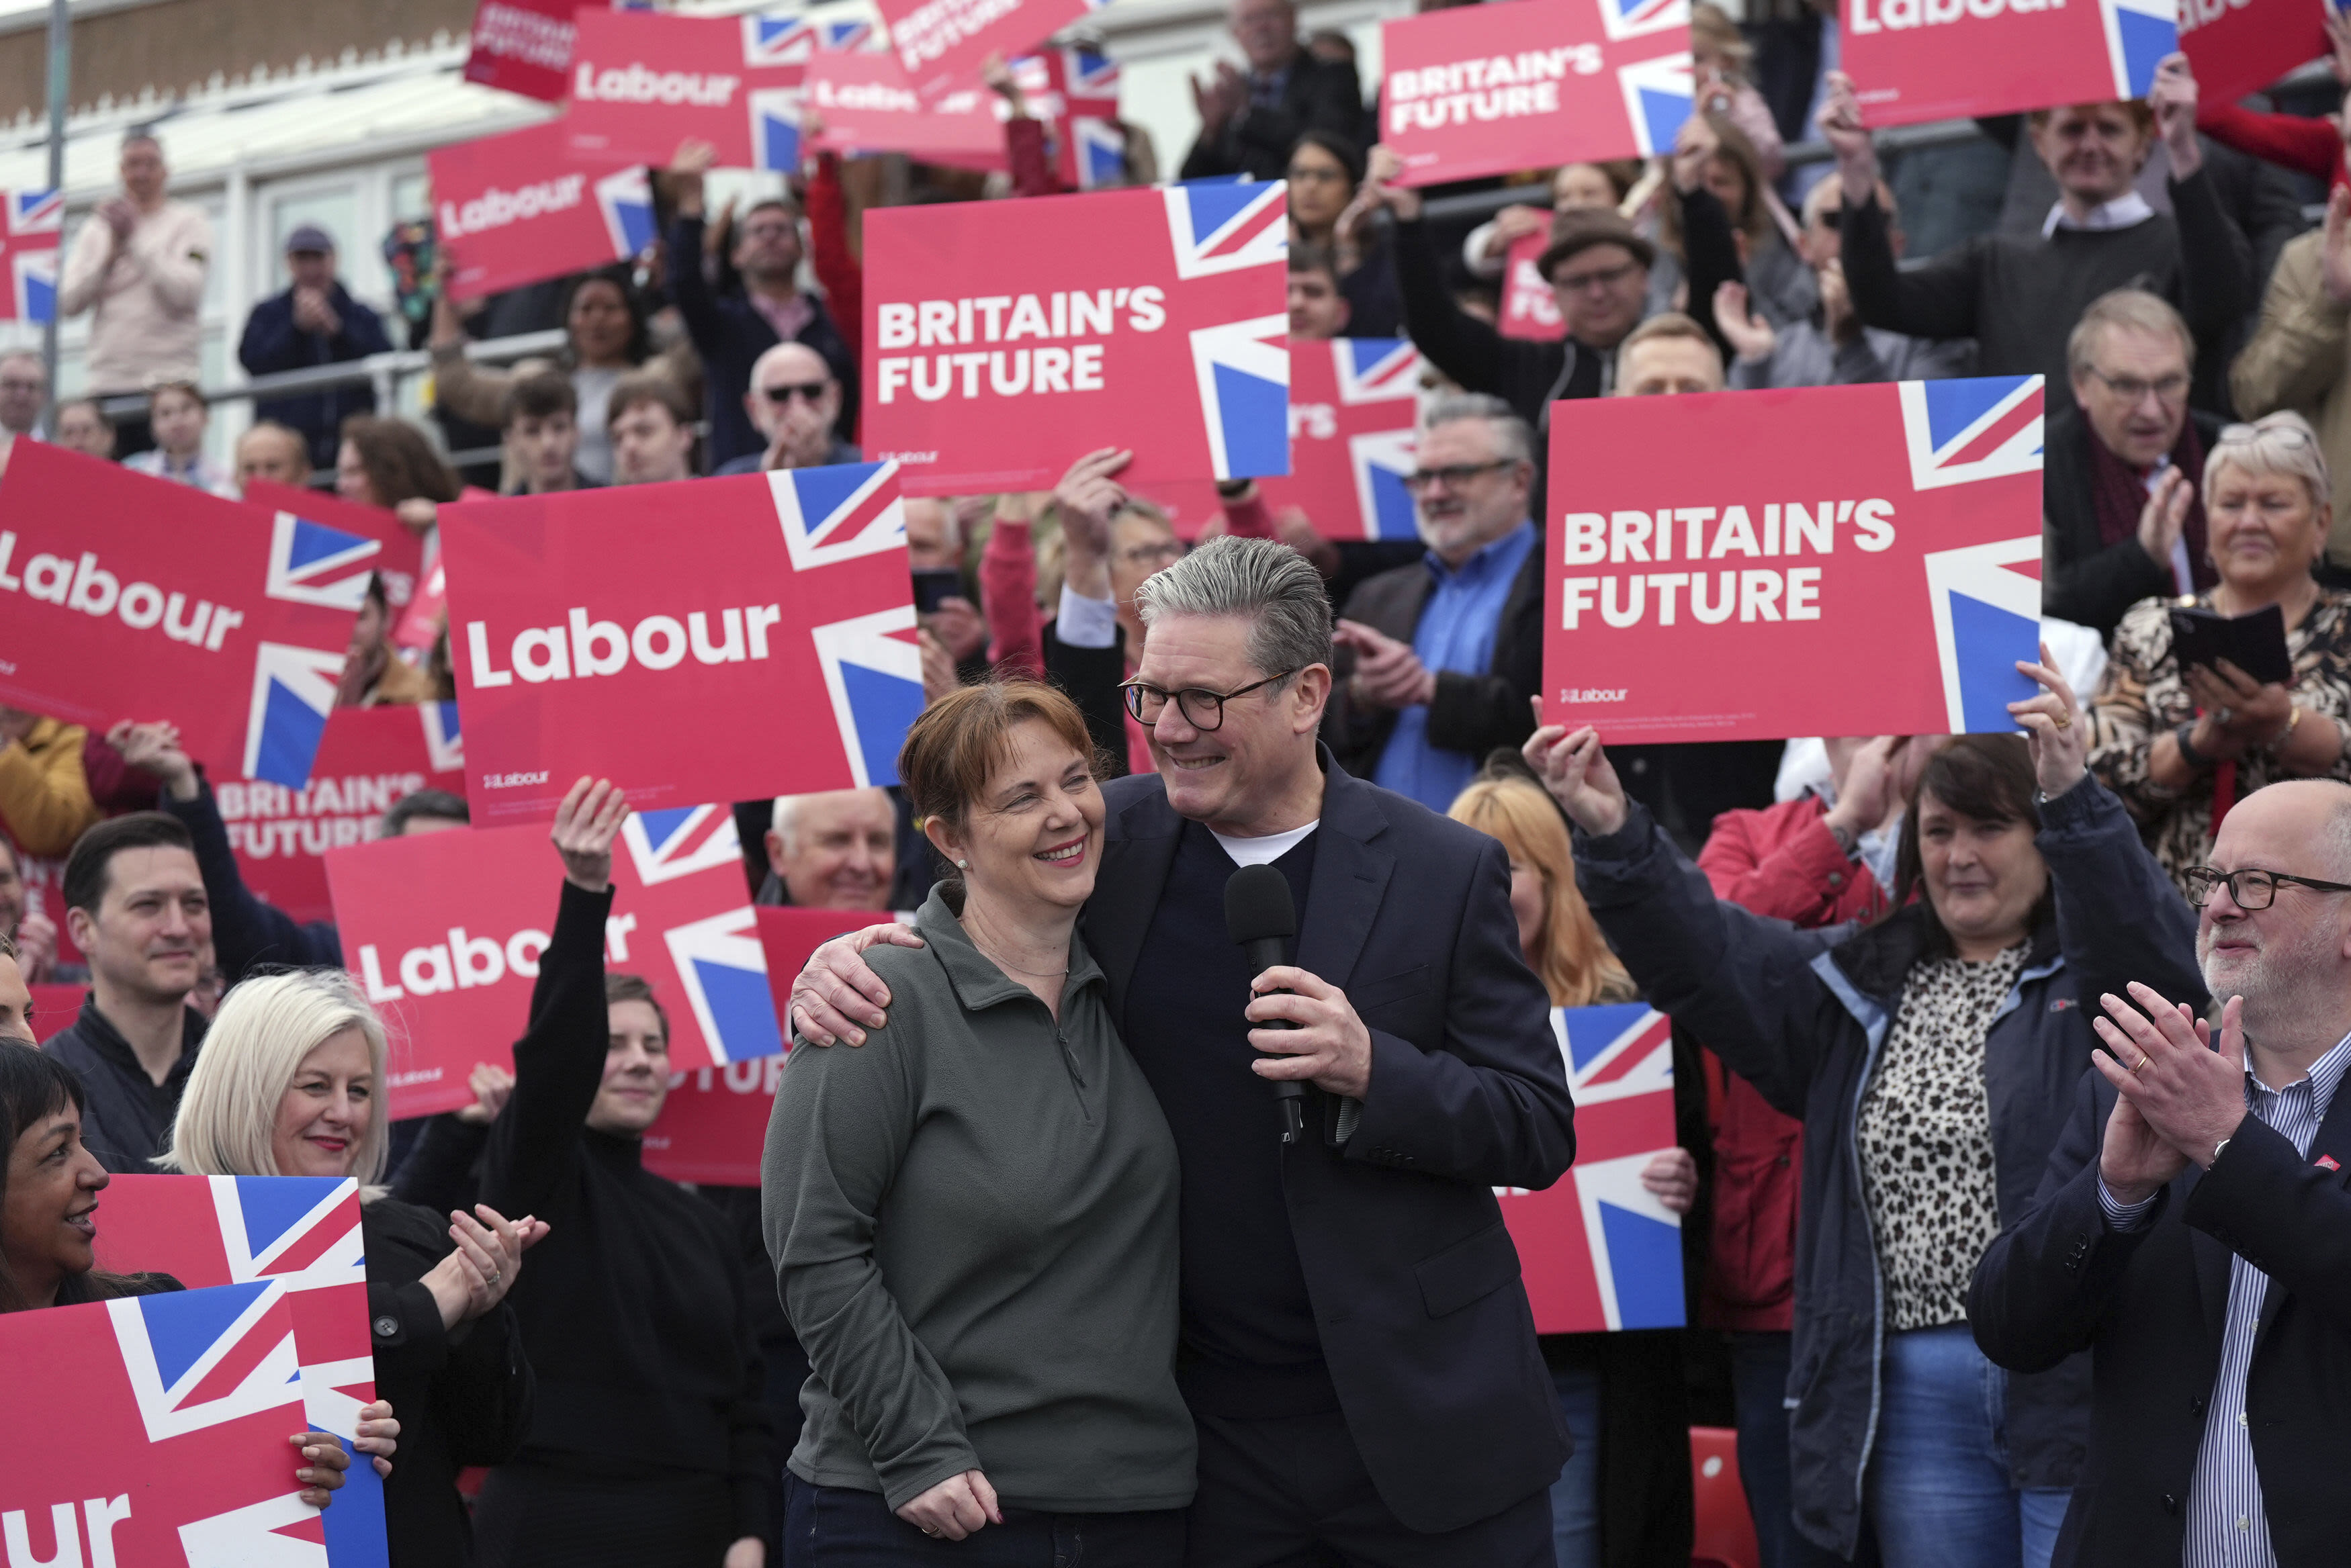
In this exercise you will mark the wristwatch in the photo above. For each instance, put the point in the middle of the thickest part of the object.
(1845, 840)
(2188, 752)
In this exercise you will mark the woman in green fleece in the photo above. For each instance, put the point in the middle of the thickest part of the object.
(973, 1218)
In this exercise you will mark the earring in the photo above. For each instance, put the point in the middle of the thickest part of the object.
(963, 865)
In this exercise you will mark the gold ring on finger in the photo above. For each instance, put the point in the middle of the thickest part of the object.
(2065, 719)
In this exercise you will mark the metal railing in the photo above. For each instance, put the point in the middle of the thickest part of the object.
(384, 372)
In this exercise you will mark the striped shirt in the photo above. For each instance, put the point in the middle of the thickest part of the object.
(2226, 1525)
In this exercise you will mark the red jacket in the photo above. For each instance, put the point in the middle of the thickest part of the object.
(1782, 862)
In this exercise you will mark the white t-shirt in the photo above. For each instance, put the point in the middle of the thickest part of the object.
(1265, 851)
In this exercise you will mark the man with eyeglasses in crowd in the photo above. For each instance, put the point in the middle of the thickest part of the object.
(2123, 485)
(1440, 656)
(794, 403)
(2193, 1230)
(1360, 1360)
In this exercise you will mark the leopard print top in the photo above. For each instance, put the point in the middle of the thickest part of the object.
(1925, 1138)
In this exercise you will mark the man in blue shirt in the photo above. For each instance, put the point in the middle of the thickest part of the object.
(1441, 655)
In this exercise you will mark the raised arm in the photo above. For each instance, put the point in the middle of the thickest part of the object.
(1008, 590)
(1938, 300)
(2217, 286)
(1464, 348)
(559, 1061)
(682, 259)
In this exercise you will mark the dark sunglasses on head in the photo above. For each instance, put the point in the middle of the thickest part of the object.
(1830, 218)
(807, 391)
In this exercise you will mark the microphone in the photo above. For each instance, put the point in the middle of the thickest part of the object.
(1260, 917)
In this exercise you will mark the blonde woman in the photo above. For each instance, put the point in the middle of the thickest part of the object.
(290, 1083)
(1625, 1496)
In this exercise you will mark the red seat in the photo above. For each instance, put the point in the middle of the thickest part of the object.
(1726, 1532)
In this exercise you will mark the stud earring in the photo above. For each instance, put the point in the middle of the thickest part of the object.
(963, 865)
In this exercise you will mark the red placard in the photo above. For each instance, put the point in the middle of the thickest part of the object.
(580, 651)
(369, 758)
(1353, 402)
(444, 931)
(1597, 1251)
(1075, 92)
(1714, 556)
(1005, 339)
(162, 1428)
(402, 550)
(303, 1233)
(643, 81)
(522, 46)
(123, 594)
(941, 44)
(1916, 60)
(714, 1123)
(1530, 308)
(2238, 46)
(54, 1007)
(1485, 89)
(867, 107)
(513, 209)
(420, 626)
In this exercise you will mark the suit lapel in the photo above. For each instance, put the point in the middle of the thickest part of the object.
(1350, 874)
(2333, 1138)
(1136, 854)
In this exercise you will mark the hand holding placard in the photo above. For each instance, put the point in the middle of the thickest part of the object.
(2054, 727)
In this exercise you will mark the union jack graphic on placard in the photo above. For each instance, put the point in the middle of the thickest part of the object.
(682, 861)
(1224, 225)
(293, 693)
(1352, 401)
(1243, 371)
(775, 129)
(1973, 427)
(311, 564)
(1597, 1251)
(769, 41)
(31, 223)
(1634, 18)
(626, 200)
(445, 742)
(838, 512)
(197, 1358)
(2139, 33)
(1658, 99)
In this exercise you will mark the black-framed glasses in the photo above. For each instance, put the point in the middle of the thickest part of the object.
(1203, 709)
(1456, 475)
(807, 391)
(2249, 890)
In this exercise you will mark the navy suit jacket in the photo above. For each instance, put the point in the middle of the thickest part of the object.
(272, 342)
(1414, 1280)
(2150, 1305)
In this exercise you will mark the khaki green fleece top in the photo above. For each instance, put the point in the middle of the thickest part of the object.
(973, 1219)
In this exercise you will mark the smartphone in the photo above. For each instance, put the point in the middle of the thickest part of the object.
(2254, 643)
(933, 586)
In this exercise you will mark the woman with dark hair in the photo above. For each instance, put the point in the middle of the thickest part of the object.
(1780, 286)
(973, 1218)
(390, 464)
(607, 336)
(649, 1446)
(1326, 172)
(1932, 1057)
(49, 1185)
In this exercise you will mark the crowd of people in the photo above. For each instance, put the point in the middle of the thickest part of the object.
(2006, 1245)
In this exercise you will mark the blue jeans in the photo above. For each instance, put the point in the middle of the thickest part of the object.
(1759, 1380)
(1938, 1489)
(1575, 1496)
(840, 1527)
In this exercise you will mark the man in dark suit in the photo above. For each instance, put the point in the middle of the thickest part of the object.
(1249, 123)
(2193, 1231)
(1440, 656)
(1358, 1353)
(315, 322)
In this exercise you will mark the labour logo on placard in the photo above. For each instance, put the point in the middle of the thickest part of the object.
(1598, 1251)
(30, 225)
(626, 200)
(674, 857)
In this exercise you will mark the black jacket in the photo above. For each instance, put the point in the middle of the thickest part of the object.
(126, 1116)
(2084, 580)
(1414, 1282)
(248, 933)
(462, 1398)
(1803, 1021)
(2149, 1306)
(272, 343)
(1473, 712)
(1320, 95)
(633, 1306)
(730, 335)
